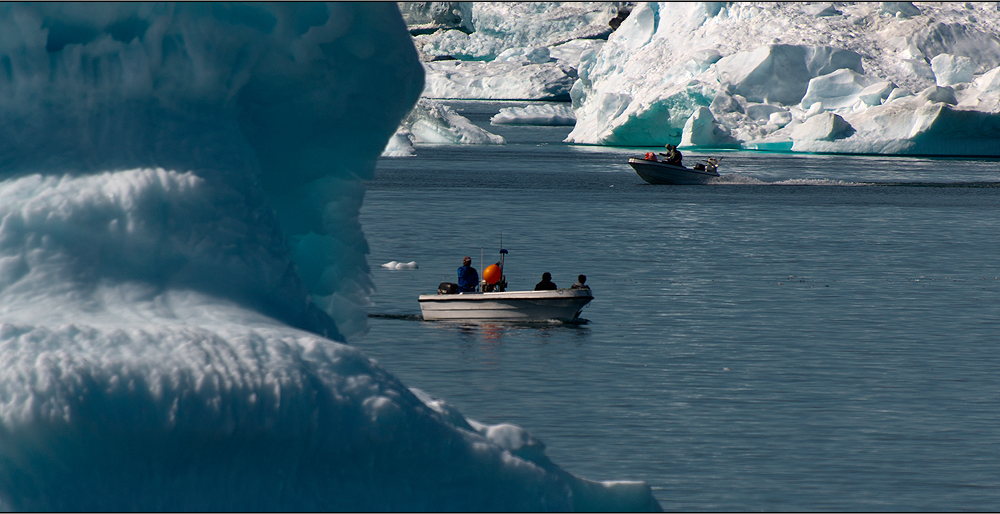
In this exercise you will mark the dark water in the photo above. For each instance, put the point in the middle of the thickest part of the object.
(810, 333)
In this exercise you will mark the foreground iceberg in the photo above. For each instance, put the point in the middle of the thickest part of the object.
(179, 195)
(762, 71)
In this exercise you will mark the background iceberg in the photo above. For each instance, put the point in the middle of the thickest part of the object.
(511, 51)
(179, 195)
(668, 60)
(499, 26)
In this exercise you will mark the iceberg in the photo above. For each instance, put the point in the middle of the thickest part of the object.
(400, 265)
(180, 257)
(535, 114)
(746, 63)
(512, 51)
(518, 79)
(499, 26)
(430, 17)
(432, 122)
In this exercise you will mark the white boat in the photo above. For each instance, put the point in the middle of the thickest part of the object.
(559, 305)
(658, 172)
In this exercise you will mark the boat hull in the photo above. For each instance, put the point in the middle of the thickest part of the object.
(662, 173)
(560, 305)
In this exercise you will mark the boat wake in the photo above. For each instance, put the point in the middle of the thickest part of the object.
(404, 317)
(738, 179)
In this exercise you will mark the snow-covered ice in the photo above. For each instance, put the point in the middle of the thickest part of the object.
(498, 26)
(513, 79)
(513, 50)
(535, 114)
(668, 60)
(432, 122)
(180, 252)
(400, 265)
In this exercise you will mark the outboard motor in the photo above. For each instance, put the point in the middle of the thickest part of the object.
(448, 288)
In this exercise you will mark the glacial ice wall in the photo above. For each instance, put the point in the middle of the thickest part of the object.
(763, 70)
(179, 196)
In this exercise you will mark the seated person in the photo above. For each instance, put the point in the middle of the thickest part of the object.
(546, 284)
(468, 277)
(673, 155)
(580, 283)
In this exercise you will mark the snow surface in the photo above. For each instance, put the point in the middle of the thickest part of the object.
(516, 77)
(179, 246)
(535, 114)
(667, 60)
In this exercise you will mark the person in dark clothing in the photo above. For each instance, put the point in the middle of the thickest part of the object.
(581, 283)
(468, 277)
(546, 284)
(673, 155)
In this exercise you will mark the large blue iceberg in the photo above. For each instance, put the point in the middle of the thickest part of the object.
(180, 249)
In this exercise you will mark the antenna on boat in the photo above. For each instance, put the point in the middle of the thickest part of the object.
(503, 253)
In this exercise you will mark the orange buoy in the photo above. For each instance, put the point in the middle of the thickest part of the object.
(491, 274)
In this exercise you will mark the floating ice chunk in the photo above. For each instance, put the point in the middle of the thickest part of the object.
(400, 265)
(836, 90)
(952, 69)
(399, 145)
(825, 126)
(432, 122)
(701, 129)
(535, 114)
(498, 80)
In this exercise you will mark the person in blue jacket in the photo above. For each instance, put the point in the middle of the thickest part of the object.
(468, 278)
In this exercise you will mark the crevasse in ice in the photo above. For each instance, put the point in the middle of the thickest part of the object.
(179, 242)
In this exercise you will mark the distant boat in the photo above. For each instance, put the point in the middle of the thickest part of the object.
(560, 305)
(658, 172)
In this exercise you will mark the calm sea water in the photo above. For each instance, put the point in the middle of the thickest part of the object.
(812, 333)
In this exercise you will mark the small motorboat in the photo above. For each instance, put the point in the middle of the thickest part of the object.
(492, 302)
(562, 305)
(658, 172)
